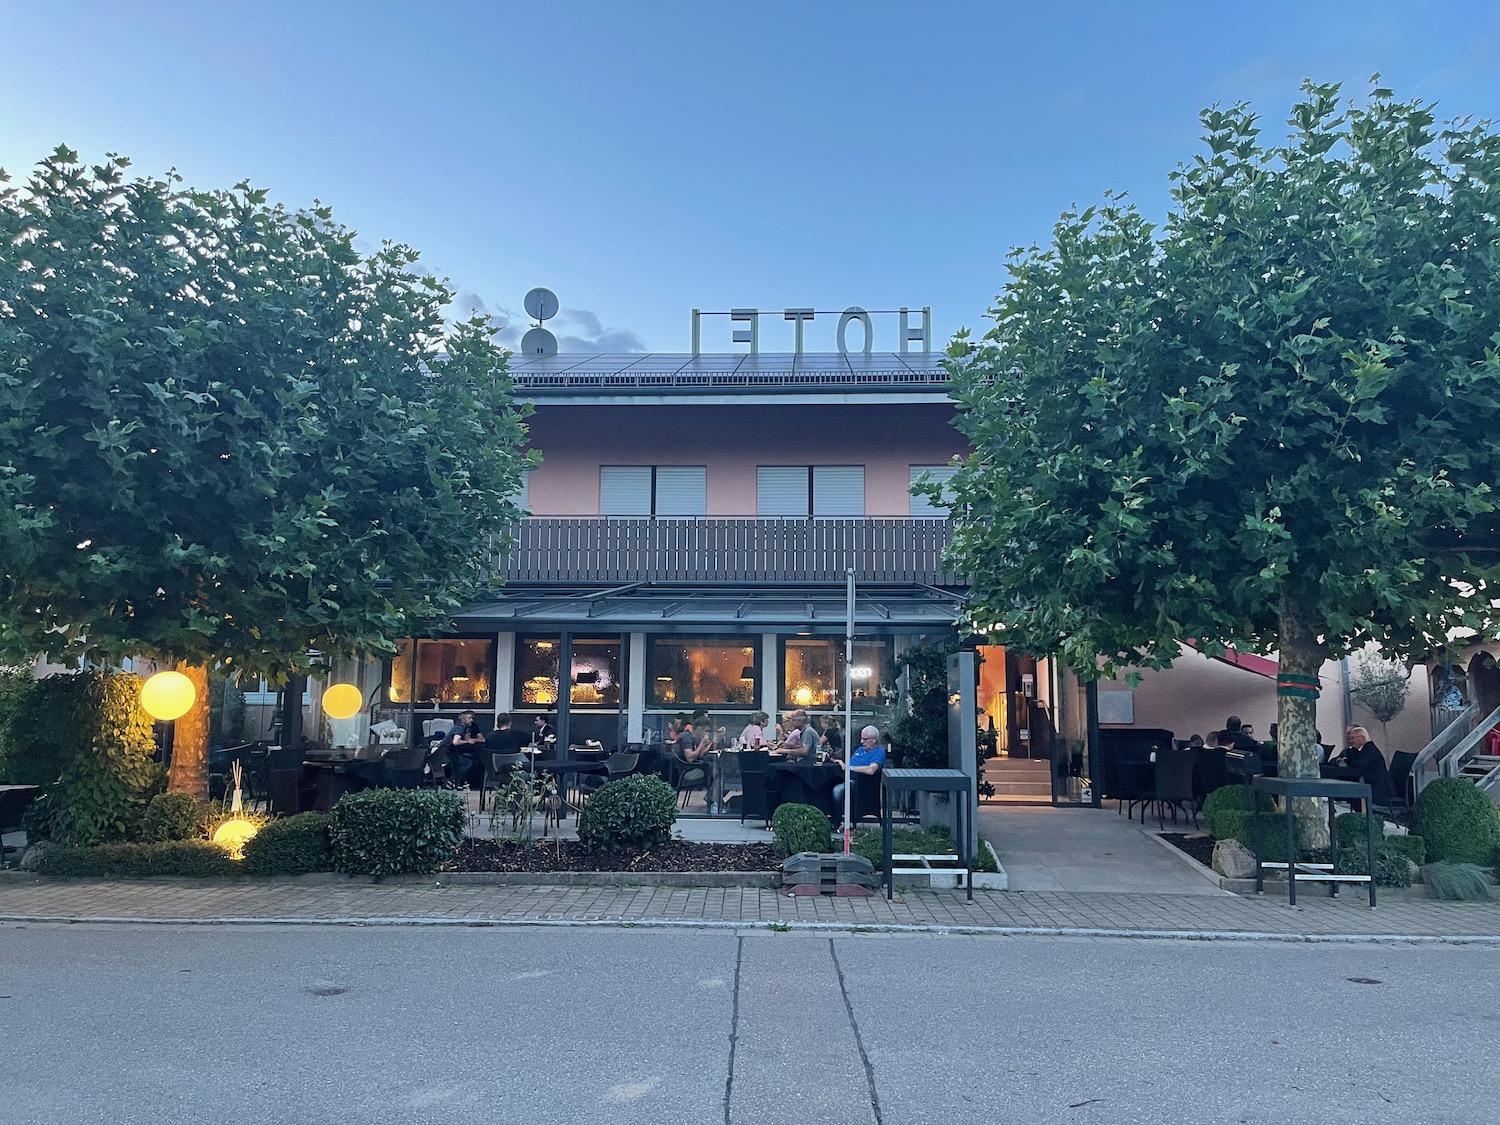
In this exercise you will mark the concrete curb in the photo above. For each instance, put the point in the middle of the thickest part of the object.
(728, 879)
(1206, 873)
(782, 926)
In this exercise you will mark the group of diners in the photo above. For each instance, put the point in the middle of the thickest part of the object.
(1360, 759)
(461, 755)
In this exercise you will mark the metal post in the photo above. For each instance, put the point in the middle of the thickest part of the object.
(848, 705)
(564, 693)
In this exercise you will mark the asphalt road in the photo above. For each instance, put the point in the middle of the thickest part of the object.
(125, 1024)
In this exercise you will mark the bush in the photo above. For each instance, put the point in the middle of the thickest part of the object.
(396, 831)
(800, 828)
(1457, 821)
(295, 845)
(36, 821)
(172, 816)
(1413, 848)
(1349, 829)
(1457, 882)
(1391, 868)
(1224, 802)
(629, 814)
(913, 841)
(193, 858)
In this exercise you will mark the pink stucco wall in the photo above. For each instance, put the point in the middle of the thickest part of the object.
(1197, 694)
(731, 441)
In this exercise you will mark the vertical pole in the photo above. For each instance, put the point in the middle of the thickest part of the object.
(564, 693)
(411, 700)
(849, 740)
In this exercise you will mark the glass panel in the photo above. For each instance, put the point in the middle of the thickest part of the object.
(448, 671)
(700, 671)
(596, 674)
(813, 673)
(537, 660)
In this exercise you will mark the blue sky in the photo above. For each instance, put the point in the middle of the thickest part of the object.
(644, 157)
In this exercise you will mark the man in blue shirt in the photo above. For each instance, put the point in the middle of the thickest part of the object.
(867, 761)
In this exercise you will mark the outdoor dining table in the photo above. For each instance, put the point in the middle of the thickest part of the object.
(803, 784)
(333, 776)
(1289, 787)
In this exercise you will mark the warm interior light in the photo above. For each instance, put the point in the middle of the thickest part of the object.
(803, 696)
(747, 672)
(168, 695)
(342, 701)
(460, 674)
(233, 834)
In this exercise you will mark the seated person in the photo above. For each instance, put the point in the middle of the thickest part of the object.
(689, 745)
(1363, 761)
(832, 740)
(462, 746)
(867, 761)
(1196, 742)
(755, 730)
(504, 739)
(801, 741)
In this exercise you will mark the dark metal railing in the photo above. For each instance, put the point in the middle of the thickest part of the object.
(598, 549)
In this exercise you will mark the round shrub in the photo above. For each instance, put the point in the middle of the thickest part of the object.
(294, 845)
(800, 828)
(1350, 829)
(396, 831)
(1221, 806)
(629, 814)
(171, 816)
(1457, 821)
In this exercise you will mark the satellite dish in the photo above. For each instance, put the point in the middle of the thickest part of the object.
(538, 341)
(541, 304)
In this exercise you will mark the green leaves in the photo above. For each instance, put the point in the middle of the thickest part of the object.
(222, 395)
(1279, 392)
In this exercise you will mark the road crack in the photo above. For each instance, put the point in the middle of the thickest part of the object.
(859, 1042)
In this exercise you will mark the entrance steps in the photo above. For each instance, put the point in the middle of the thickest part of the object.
(1019, 781)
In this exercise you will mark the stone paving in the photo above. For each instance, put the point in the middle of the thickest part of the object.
(1402, 915)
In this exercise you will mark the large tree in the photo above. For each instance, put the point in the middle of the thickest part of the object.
(1273, 423)
(227, 436)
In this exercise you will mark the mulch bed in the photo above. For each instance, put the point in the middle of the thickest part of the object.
(544, 855)
(1199, 846)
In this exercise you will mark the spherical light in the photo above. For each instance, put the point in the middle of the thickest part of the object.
(342, 701)
(232, 836)
(168, 695)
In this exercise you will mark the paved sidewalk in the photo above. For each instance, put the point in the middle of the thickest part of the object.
(1404, 916)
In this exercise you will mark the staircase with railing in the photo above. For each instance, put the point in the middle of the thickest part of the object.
(1460, 749)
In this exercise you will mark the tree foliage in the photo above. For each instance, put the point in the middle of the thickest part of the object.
(226, 434)
(1380, 686)
(1268, 424)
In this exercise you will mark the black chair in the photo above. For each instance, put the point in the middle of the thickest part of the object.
(685, 776)
(864, 801)
(1128, 774)
(497, 770)
(761, 790)
(1210, 772)
(402, 769)
(1398, 808)
(619, 764)
(1174, 786)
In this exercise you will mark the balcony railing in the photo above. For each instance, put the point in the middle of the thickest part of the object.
(713, 550)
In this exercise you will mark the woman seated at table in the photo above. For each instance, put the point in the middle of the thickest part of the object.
(832, 739)
(755, 731)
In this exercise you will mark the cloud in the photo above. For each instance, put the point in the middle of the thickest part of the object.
(577, 330)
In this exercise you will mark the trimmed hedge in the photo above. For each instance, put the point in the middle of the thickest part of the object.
(396, 831)
(1458, 822)
(1227, 809)
(800, 828)
(295, 845)
(172, 816)
(632, 813)
(191, 858)
(913, 841)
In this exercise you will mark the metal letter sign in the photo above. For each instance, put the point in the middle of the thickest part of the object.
(852, 313)
(908, 333)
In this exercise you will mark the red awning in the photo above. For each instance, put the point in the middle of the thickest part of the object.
(1259, 665)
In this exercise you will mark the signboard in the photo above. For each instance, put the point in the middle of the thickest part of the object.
(908, 330)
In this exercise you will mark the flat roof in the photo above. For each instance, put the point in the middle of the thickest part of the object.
(729, 373)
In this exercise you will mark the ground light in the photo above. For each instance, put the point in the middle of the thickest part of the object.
(342, 701)
(235, 832)
(168, 695)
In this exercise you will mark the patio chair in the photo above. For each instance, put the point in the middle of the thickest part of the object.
(1398, 806)
(402, 769)
(497, 770)
(618, 764)
(761, 792)
(1174, 786)
(687, 776)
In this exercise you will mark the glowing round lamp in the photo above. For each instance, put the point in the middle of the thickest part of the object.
(342, 701)
(168, 695)
(232, 836)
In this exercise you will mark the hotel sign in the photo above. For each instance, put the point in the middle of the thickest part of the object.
(907, 332)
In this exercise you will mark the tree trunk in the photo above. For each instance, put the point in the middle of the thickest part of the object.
(1301, 654)
(189, 771)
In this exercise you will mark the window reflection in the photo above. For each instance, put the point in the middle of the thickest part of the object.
(448, 671)
(596, 673)
(813, 672)
(700, 671)
(537, 660)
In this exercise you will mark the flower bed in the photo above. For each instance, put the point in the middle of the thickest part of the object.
(549, 856)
